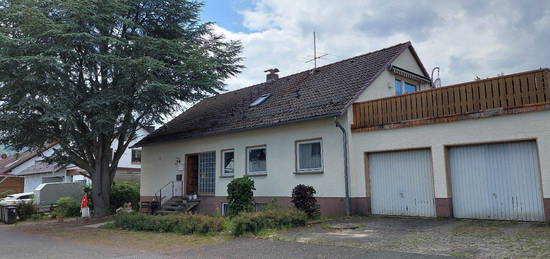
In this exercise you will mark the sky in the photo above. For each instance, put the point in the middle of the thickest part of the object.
(465, 38)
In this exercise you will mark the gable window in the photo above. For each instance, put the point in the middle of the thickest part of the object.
(403, 87)
(256, 160)
(228, 162)
(260, 100)
(136, 156)
(309, 156)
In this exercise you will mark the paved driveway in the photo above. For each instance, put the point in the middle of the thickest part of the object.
(15, 244)
(461, 238)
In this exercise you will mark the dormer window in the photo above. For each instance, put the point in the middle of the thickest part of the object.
(260, 100)
(403, 87)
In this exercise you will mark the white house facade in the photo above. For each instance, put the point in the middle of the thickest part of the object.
(410, 149)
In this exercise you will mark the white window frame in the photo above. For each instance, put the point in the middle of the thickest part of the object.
(248, 149)
(223, 173)
(308, 170)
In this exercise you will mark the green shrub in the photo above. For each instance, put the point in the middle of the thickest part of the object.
(240, 197)
(4, 194)
(122, 193)
(26, 210)
(67, 207)
(303, 199)
(182, 223)
(255, 222)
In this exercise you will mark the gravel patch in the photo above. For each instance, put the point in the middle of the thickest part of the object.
(460, 238)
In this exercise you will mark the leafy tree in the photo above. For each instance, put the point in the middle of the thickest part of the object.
(88, 73)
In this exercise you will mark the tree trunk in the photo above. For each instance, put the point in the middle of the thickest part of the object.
(102, 181)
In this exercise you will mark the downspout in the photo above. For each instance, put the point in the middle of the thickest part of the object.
(346, 166)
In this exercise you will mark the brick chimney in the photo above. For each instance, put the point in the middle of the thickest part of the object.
(272, 75)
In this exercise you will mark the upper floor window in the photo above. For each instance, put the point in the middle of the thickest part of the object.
(228, 162)
(403, 87)
(136, 156)
(309, 156)
(256, 160)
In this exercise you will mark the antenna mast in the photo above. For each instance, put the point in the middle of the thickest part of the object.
(315, 57)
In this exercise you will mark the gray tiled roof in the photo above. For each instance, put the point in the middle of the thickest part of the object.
(41, 167)
(298, 97)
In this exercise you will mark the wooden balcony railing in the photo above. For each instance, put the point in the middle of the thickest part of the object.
(510, 91)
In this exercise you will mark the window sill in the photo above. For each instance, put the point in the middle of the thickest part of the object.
(252, 175)
(227, 176)
(310, 172)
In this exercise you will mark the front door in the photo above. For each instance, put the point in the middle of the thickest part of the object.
(191, 174)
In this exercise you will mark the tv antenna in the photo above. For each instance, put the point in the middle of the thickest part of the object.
(315, 57)
(436, 83)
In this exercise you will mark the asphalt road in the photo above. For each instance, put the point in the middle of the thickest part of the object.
(23, 245)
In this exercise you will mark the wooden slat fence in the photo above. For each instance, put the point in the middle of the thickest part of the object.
(510, 91)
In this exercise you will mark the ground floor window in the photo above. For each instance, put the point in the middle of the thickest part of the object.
(228, 162)
(256, 160)
(207, 172)
(309, 155)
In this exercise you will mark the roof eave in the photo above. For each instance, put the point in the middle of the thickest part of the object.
(331, 115)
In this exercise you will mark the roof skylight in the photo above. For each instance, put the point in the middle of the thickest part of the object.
(260, 100)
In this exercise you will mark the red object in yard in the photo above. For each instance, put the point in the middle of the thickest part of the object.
(84, 203)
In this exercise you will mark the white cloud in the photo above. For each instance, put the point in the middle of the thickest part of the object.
(464, 38)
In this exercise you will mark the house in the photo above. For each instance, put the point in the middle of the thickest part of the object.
(372, 136)
(31, 167)
(9, 182)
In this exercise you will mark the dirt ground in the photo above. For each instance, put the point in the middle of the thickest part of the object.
(459, 238)
(165, 243)
(48, 239)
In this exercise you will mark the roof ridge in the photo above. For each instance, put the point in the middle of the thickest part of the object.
(323, 66)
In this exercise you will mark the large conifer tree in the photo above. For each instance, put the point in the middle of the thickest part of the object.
(84, 73)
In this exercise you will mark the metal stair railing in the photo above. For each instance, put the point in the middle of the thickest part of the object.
(170, 190)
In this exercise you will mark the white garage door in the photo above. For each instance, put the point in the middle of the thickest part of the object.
(496, 181)
(402, 183)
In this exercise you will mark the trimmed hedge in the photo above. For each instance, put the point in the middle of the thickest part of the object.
(274, 219)
(181, 223)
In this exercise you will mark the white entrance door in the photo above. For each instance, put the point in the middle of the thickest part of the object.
(496, 181)
(402, 183)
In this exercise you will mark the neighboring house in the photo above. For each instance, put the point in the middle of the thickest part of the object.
(35, 171)
(7, 164)
(368, 133)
